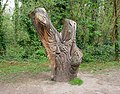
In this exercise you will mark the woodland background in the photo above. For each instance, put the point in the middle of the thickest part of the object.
(98, 28)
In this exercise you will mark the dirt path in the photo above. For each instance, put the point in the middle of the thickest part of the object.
(105, 83)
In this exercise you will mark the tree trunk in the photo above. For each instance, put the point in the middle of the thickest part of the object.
(64, 55)
(2, 33)
(16, 19)
(116, 32)
(93, 19)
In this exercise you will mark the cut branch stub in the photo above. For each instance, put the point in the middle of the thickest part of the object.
(64, 55)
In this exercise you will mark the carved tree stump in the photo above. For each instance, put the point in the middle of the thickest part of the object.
(64, 55)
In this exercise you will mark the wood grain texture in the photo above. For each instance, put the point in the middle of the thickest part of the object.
(64, 55)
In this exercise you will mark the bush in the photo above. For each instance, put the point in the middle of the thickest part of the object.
(98, 53)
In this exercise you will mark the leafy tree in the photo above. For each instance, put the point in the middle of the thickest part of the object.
(2, 33)
(16, 18)
(116, 33)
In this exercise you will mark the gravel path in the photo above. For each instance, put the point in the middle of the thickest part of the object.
(105, 83)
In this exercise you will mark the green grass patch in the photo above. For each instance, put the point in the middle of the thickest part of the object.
(76, 81)
(8, 68)
(99, 66)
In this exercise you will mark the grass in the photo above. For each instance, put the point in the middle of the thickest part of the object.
(76, 81)
(8, 68)
(95, 67)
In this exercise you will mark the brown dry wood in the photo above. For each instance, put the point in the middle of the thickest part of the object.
(64, 55)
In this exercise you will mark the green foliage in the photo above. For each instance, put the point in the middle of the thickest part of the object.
(60, 11)
(98, 53)
(76, 81)
(95, 36)
(39, 56)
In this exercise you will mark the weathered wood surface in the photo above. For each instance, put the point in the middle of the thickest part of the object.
(64, 55)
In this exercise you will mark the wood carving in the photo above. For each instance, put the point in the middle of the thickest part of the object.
(64, 55)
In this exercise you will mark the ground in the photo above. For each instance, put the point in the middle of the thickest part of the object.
(105, 82)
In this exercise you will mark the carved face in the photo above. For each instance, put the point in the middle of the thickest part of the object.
(40, 16)
(41, 22)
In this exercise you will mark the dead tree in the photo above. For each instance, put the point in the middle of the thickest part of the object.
(64, 55)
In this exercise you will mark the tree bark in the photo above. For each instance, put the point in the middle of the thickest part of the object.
(64, 55)
(16, 16)
(116, 31)
(93, 19)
